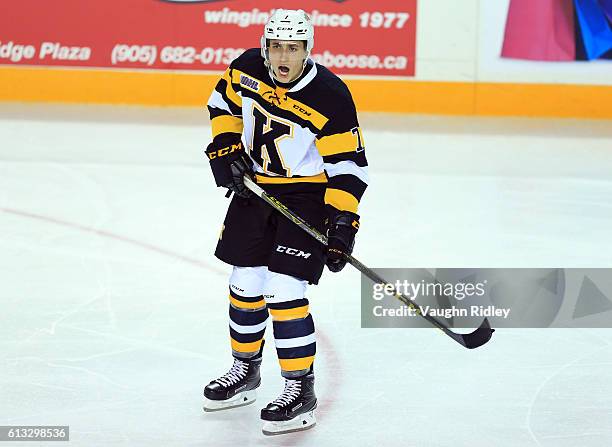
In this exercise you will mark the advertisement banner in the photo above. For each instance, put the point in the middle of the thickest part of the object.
(540, 31)
(351, 36)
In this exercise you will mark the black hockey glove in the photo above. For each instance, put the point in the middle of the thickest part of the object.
(229, 165)
(342, 227)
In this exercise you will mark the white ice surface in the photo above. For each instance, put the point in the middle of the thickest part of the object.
(113, 313)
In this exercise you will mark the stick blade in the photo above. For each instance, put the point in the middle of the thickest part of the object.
(477, 338)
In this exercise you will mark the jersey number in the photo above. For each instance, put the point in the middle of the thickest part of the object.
(267, 132)
(357, 131)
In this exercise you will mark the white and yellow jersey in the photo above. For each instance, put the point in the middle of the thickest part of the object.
(305, 133)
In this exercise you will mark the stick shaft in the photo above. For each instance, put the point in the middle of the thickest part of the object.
(460, 338)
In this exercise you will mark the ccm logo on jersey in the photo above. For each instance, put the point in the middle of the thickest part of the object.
(236, 288)
(301, 110)
(292, 251)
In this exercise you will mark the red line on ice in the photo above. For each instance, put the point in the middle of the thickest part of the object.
(333, 363)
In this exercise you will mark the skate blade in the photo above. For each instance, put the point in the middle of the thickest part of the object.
(239, 400)
(302, 422)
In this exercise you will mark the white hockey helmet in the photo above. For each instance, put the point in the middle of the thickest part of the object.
(288, 24)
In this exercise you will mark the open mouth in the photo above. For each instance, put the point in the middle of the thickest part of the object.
(283, 70)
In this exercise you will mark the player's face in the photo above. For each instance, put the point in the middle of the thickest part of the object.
(287, 58)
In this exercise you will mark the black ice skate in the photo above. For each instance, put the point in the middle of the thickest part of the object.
(236, 387)
(293, 410)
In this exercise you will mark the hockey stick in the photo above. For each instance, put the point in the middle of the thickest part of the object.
(472, 340)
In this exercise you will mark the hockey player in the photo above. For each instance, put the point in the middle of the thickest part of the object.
(291, 125)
